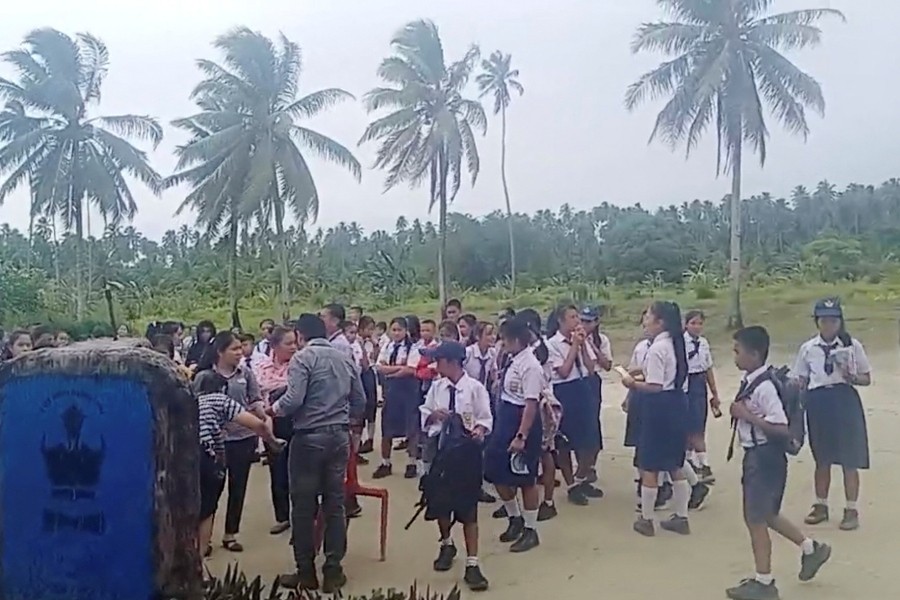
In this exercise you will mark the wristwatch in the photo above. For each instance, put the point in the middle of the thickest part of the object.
(520, 436)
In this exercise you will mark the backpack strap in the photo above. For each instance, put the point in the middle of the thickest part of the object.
(744, 393)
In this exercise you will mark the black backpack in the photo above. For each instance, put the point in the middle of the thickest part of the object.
(792, 402)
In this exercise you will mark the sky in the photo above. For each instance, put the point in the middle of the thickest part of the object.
(570, 138)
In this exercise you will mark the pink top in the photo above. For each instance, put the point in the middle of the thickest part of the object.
(270, 375)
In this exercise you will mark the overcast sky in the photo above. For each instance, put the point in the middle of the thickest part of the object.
(570, 139)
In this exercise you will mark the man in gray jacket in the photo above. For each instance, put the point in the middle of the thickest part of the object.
(324, 395)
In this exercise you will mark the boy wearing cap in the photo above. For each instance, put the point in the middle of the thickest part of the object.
(457, 394)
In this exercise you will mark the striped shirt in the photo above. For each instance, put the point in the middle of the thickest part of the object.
(215, 411)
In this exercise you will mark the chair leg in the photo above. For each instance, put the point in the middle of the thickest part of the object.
(384, 526)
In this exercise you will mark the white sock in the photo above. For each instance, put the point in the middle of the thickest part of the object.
(648, 502)
(530, 518)
(807, 546)
(512, 508)
(702, 459)
(549, 503)
(447, 542)
(822, 501)
(852, 505)
(690, 474)
(386, 462)
(488, 488)
(765, 579)
(471, 561)
(681, 496)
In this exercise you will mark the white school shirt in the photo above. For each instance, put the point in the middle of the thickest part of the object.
(659, 363)
(523, 380)
(558, 347)
(408, 358)
(639, 354)
(474, 358)
(703, 360)
(763, 403)
(357, 350)
(369, 348)
(473, 403)
(605, 348)
(810, 363)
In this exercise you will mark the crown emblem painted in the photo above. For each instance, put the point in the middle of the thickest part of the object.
(73, 466)
(829, 303)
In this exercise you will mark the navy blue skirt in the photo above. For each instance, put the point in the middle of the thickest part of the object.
(663, 436)
(633, 419)
(837, 427)
(698, 403)
(597, 394)
(581, 413)
(496, 455)
(401, 398)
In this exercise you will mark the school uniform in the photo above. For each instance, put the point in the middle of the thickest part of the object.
(633, 419)
(663, 432)
(370, 381)
(575, 394)
(481, 366)
(700, 361)
(521, 381)
(401, 394)
(835, 418)
(764, 469)
(601, 347)
(469, 399)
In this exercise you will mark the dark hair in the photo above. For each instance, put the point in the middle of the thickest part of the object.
(450, 329)
(212, 383)
(358, 309)
(401, 321)
(311, 326)
(219, 344)
(517, 329)
(454, 302)
(383, 325)
(755, 339)
(429, 322)
(670, 315)
(693, 314)
(345, 325)
(365, 322)
(480, 328)
(279, 332)
(532, 321)
(246, 337)
(41, 330)
(552, 323)
(207, 325)
(842, 333)
(471, 320)
(6, 351)
(171, 327)
(413, 328)
(561, 310)
(337, 311)
(164, 344)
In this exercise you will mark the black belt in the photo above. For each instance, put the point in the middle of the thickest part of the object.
(323, 429)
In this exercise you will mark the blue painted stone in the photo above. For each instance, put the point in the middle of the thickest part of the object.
(76, 486)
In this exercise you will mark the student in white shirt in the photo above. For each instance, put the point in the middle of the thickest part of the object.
(452, 496)
(366, 334)
(762, 428)
(481, 357)
(602, 349)
(829, 367)
(700, 377)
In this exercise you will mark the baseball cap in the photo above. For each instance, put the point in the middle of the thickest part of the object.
(589, 313)
(828, 307)
(448, 350)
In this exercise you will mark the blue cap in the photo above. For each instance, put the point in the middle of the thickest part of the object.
(828, 307)
(589, 313)
(446, 350)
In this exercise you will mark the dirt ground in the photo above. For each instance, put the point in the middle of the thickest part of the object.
(591, 551)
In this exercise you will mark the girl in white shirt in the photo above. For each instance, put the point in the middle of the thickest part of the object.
(700, 377)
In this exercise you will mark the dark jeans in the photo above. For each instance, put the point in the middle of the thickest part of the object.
(238, 459)
(278, 473)
(318, 467)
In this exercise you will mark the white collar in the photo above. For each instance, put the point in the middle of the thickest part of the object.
(835, 343)
(663, 335)
(753, 375)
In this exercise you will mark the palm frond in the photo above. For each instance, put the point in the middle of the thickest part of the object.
(389, 124)
(95, 65)
(314, 103)
(669, 38)
(134, 126)
(328, 149)
(473, 112)
(659, 82)
(802, 17)
(128, 158)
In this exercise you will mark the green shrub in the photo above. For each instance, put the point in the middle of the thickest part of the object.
(702, 292)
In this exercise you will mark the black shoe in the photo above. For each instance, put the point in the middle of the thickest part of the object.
(592, 476)
(644, 527)
(333, 580)
(475, 579)
(486, 498)
(751, 589)
(811, 563)
(850, 522)
(299, 581)
(366, 447)
(382, 471)
(353, 511)
(411, 472)
(590, 491)
(818, 514)
(444, 560)
(663, 495)
(578, 497)
(280, 527)
(698, 494)
(546, 512)
(705, 475)
(676, 524)
(500, 513)
(513, 530)
(528, 540)
(361, 460)
(402, 445)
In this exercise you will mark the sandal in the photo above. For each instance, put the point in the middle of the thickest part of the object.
(232, 546)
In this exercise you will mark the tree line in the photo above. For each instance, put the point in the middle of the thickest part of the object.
(247, 162)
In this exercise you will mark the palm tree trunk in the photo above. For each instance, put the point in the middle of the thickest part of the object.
(79, 250)
(735, 318)
(442, 228)
(285, 279)
(89, 284)
(30, 236)
(232, 270)
(509, 215)
(55, 248)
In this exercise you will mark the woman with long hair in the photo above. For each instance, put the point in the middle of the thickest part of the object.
(205, 333)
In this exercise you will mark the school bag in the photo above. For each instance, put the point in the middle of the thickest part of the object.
(791, 401)
(551, 416)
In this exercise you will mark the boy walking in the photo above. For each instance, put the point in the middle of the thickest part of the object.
(762, 428)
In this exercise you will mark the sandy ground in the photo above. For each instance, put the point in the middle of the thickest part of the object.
(591, 551)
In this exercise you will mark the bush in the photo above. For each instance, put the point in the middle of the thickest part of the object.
(703, 292)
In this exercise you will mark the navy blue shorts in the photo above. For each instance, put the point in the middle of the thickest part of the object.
(496, 455)
(581, 414)
(698, 403)
(763, 481)
(663, 437)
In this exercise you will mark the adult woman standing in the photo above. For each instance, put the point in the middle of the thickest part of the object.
(271, 373)
(205, 332)
(223, 357)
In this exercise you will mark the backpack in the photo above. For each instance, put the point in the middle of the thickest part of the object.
(792, 401)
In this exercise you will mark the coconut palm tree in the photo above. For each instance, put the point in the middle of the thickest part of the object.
(430, 131)
(245, 160)
(497, 79)
(728, 66)
(50, 141)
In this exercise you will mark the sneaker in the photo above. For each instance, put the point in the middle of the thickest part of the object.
(382, 471)
(280, 527)
(513, 530)
(850, 522)
(361, 460)
(500, 513)
(698, 495)
(705, 475)
(411, 472)
(546, 512)
(402, 445)
(474, 578)
(367, 447)
(663, 495)
(644, 527)
(486, 498)
(527, 541)
(811, 563)
(677, 524)
(590, 491)
(577, 496)
(333, 580)
(306, 580)
(592, 476)
(751, 589)
(444, 560)
(818, 514)
(353, 510)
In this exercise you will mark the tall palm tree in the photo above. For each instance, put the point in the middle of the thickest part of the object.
(727, 65)
(430, 130)
(69, 159)
(498, 78)
(244, 159)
